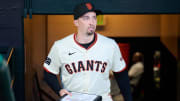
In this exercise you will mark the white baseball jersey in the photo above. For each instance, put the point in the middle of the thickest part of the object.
(85, 70)
(136, 72)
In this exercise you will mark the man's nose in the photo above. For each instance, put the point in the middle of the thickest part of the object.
(92, 21)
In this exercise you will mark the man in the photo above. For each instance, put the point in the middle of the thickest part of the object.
(85, 58)
(136, 75)
(137, 69)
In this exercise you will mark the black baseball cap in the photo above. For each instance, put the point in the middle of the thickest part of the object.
(82, 8)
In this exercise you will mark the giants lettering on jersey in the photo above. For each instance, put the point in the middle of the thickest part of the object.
(90, 65)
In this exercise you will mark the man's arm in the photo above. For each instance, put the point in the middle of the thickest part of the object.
(52, 81)
(123, 83)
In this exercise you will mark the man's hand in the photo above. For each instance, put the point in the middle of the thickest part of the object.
(63, 92)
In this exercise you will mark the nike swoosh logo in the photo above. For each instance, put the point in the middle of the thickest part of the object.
(71, 53)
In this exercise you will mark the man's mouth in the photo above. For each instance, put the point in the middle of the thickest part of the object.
(91, 28)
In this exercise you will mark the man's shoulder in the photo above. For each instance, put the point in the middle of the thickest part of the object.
(105, 38)
(138, 65)
(106, 41)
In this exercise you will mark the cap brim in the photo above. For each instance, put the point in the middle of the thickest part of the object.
(98, 12)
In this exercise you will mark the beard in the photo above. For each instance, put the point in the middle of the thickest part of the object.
(91, 32)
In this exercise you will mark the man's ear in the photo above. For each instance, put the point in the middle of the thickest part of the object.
(76, 23)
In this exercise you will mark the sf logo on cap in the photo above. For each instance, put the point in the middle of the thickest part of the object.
(89, 6)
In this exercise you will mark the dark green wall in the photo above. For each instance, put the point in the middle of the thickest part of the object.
(107, 6)
(11, 35)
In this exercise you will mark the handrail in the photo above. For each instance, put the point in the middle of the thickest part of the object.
(6, 90)
(10, 55)
(12, 82)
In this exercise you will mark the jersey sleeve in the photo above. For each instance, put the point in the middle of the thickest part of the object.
(52, 62)
(118, 63)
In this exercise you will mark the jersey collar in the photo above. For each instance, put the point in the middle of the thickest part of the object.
(81, 45)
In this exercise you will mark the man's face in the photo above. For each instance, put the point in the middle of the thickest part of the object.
(87, 23)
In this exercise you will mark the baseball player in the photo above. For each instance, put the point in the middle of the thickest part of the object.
(85, 58)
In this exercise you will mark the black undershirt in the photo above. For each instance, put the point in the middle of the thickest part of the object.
(86, 45)
(52, 81)
(123, 83)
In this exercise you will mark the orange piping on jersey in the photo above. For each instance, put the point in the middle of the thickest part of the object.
(81, 45)
(93, 42)
(47, 70)
(121, 70)
(76, 41)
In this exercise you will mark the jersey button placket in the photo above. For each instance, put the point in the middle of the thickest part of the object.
(86, 73)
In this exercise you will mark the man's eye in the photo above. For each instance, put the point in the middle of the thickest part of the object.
(95, 17)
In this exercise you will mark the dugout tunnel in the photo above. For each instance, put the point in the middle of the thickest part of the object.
(30, 26)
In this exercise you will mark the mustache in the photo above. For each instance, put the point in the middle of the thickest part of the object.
(91, 27)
